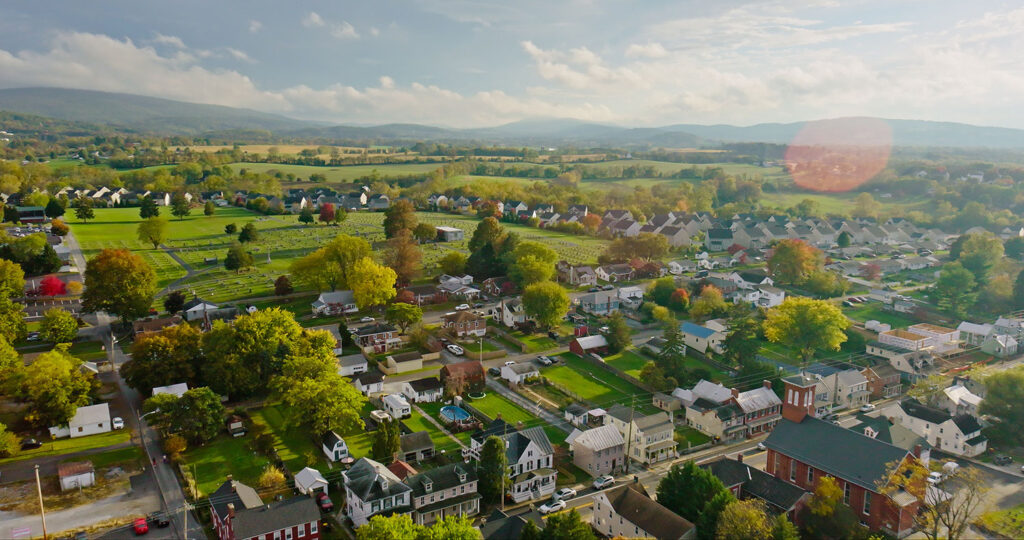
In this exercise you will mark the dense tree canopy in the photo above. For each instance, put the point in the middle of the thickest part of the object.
(118, 282)
(806, 325)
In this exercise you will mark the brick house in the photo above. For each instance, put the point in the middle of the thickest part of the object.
(380, 337)
(803, 448)
(470, 373)
(883, 380)
(464, 323)
(239, 513)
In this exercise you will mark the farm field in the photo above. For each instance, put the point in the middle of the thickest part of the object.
(340, 174)
(837, 203)
(593, 384)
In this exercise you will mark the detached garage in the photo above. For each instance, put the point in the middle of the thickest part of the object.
(76, 474)
(589, 344)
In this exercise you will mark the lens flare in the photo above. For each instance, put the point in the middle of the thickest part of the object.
(839, 155)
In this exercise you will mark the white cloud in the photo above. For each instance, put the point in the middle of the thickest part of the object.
(650, 50)
(240, 55)
(173, 41)
(374, 31)
(312, 20)
(340, 30)
(255, 26)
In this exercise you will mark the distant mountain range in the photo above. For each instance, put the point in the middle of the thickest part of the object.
(163, 116)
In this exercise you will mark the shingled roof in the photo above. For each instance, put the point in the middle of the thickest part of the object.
(634, 505)
(756, 483)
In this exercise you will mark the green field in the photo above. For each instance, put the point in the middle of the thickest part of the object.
(872, 311)
(628, 361)
(340, 174)
(593, 384)
(293, 443)
(68, 445)
(223, 456)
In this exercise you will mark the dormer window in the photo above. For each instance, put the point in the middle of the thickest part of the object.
(428, 486)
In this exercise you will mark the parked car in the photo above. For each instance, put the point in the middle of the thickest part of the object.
(159, 519)
(33, 336)
(478, 305)
(544, 360)
(566, 493)
(604, 329)
(867, 407)
(324, 502)
(551, 506)
(494, 372)
(366, 319)
(552, 334)
(1002, 460)
(455, 349)
(761, 446)
(462, 307)
(81, 535)
(30, 444)
(509, 363)
(117, 422)
(934, 477)
(140, 526)
(608, 287)
(594, 289)
(604, 481)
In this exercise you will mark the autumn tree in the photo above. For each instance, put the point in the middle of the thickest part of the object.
(12, 279)
(591, 222)
(271, 478)
(283, 286)
(825, 515)
(330, 267)
(170, 356)
(58, 326)
(487, 232)
(12, 320)
(793, 260)
(403, 255)
(59, 228)
(118, 282)
(54, 387)
(8, 442)
(944, 513)
(806, 325)
(709, 304)
(52, 286)
(744, 520)
(317, 396)
(546, 302)
(372, 284)
(400, 215)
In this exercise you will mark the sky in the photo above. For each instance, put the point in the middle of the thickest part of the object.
(475, 63)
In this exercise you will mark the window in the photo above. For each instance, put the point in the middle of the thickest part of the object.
(792, 471)
(846, 493)
(287, 534)
(778, 463)
(810, 475)
(867, 502)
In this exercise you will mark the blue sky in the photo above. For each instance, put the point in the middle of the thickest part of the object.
(481, 62)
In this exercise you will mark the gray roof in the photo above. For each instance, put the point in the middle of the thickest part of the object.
(426, 384)
(351, 360)
(835, 450)
(522, 369)
(634, 505)
(918, 410)
(441, 478)
(757, 483)
(330, 439)
(275, 516)
(894, 434)
(600, 438)
(966, 423)
(414, 442)
(236, 493)
(367, 479)
(651, 421)
(516, 441)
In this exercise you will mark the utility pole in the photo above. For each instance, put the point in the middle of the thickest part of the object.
(629, 440)
(42, 512)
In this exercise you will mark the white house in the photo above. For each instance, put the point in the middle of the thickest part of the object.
(769, 297)
(973, 334)
(425, 390)
(351, 365)
(957, 399)
(76, 474)
(960, 435)
(627, 512)
(309, 481)
(530, 459)
(90, 420)
(396, 405)
(196, 308)
(173, 389)
(334, 303)
(369, 383)
(518, 373)
(333, 446)
(512, 312)
(371, 489)
(678, 267)
(701, 338)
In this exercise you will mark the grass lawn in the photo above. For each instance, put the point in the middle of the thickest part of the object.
(474, 346)
(416, 422)
(717, 375)
(359, 444)
(88, 351)
(292, 443)
(535, 342)
(130, 455)
(1007, 523)
(872, 311)
(434, 410)
(494, 404)
(69, 445)
(593, 384)
(687, 437)
(629, 361)
(223, 456)
(341, 174)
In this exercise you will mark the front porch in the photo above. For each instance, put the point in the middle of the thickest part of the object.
(535, 484)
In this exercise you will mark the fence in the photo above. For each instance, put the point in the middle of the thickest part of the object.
(508, 337)
(617, 372)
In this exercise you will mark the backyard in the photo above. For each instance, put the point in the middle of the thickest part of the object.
(595, 385)
(628, 361)
(494, 404)
(872, 311)
(68, 445)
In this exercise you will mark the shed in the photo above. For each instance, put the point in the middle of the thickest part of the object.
(588, 344)
(76, 474)
(173, 389)
(309, 481)
(90, 420)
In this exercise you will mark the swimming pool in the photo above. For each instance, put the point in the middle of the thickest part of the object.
(452, 413)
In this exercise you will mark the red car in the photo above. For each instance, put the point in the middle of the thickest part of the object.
(140, 526)
(325, 502)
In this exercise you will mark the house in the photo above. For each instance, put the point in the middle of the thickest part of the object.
(617, 215)
(76, 475)
(401, 363)
(972, 334)
(529, 456)
(369, 382)
(769, 297)
(333, 446)
(676, 236)
(886, 430)
(450, 234)
(415, 447)
(402, 469)
(380, 337)
(458, 286)
(378, 201)
(626, 228)
(425, 390)
(90, 420)
(371, 489)
(499, 286)
(599, 450)
(582, 276)
(197, 308)
(518, 373)
(352, 364)
(666, 402)
(501, 526)
(396, 406)
(957, 399)
(176, 390)
(718, 239)
(461, 377)
(309, 481)
(513, 313)
(802, 449)
(599, 303)
(649, 438)
(906, 339)
(589, 344)
(912, 364)
(746, 482)
(940, 334)
(701, 338)
(578, 210)
(437, 200)
(148, 326)
(1001, 345)
(729, 415)
(448, 490)
(750, 279)
(883, 380)
(427, 294)
(627, 512)
(576, 414)
(960, 434)
(238, 513)
(631, 297)
(851, 389)
(464, 323)
(678, 267)
(334, 303)
(614, 273)
(515, 207)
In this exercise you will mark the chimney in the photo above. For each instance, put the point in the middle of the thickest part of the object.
(917, 451)
(767, 384)
(798, 399)
(739, 457)
(231, 510)
(735, 393)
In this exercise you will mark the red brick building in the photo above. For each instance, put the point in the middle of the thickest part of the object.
(238, 513)
(802, 448)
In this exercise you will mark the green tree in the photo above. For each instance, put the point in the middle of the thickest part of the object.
(372, 284)
(180, 207)
(315, 394)
(12, 279)
(10, 363)
(844, 239)
(979, 254)
(1004, 400)
(152, 231)
(230, 228)
(546, 302)
(660, 291)
(242, 357)
(567, 526)
(12, 320)
(487, 232)
(8, 442)
(174, 302)
(619, 333)
(707, 521)
(238, 258)
(806, 325)
(58, 326)
(453, 263)
(197, 415)
(954, 289)
(118, 282)
(686, 488)
(393, 527)
(209, 208)
(451, 528)
(742, 341)
(531, 262)
(744, 520)
(709, 304)
(83, 209)
(865, 206)
(825, 515)
(492, 476)
(248, 234)
(783, 529)
(670, 358)
(148, 208)
(54, 387)
(330, 267)
(400, 215)
(425, 232)
(385, 443)
(654, 376)
(170, 356)
(53, 209)
(1014, 247)
(306, 215)
(403, 315)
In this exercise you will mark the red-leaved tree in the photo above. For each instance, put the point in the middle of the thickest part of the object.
(52, 286)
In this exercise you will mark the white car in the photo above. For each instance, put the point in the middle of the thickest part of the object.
(117, 422)
(867, 407)
(935, 477)
(602, 482)
(551, 506)
(566, 493)
(462, 307)
(366, 319)
(510, 363)
(456, 350)
(761, 446)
